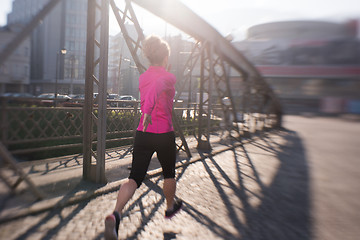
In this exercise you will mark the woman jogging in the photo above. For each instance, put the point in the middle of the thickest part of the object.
(155, 133)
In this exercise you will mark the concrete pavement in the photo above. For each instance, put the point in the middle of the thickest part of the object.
(298, 183)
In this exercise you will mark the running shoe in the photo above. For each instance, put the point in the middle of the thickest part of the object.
(110, 228)
(177, 206)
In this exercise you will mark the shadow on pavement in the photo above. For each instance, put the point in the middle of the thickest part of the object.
(152, 186)
(50, 215)
(284, 209)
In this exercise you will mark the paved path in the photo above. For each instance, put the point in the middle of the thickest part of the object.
(300, 183)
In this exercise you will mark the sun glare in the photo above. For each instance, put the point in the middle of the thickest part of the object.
(150, 23)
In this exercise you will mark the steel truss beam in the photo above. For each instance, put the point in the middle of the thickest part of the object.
(25, 32)
(177, 14)
(206, 82)
(134, 46)
(96, 75)
(226, 100)
(213, 77)
(214, 52)
(180, 16)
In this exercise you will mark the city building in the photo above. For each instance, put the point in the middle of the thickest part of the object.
(123, 74)
(308, 62)
(15, 72)
(123, 77)
(64, 28)
(58, 50)
(302, 43)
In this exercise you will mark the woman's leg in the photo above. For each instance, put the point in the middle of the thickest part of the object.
(112, 221)
(166, 152)
(140, 163)
(169, 189)
(141, 158)
(126, 191)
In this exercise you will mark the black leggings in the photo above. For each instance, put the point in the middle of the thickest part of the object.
(144, 147)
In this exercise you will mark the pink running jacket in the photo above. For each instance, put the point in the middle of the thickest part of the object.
(157, 91)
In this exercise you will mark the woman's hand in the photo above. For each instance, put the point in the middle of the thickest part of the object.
(146, 121)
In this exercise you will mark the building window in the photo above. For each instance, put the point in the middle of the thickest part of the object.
(26, 71)
(26, 51)
(67, 73)
(67, 44)
(72, 45)
(4, 69)
(76, 73)
(81, 73)
(15, 71)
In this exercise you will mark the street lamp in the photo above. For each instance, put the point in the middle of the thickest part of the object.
(72, 59)
(62, 52)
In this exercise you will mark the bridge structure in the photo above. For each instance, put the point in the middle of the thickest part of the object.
(211, 51)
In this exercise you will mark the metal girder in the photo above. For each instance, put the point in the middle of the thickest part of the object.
(134, 46)
(213, 78)
(177, 14)
(205, 106)
(96, 74)
(225, 96)
(6, 157)
(180, 16)
(25, 32)
(213, 50)
(188, 69)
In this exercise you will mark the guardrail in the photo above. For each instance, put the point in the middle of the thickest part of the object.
(31, 129)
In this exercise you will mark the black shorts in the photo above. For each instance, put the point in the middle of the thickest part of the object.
(144, 147)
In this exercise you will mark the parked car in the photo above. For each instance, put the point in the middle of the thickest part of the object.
(127, 101)
(114, 100)
(127, 97)
(113, 97)
(79, 97)
(18, 98)
(52, 95)
(18, 95)
(47, 98)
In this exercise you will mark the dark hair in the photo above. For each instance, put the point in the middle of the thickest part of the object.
(155, 49)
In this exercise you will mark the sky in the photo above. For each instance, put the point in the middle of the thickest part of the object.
(236, 16)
